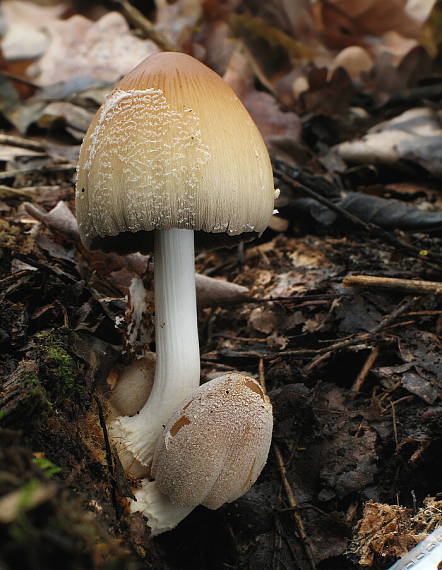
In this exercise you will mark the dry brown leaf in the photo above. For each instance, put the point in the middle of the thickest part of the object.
(177, 20)
(345, 22)
(216, 37)
(294, 16)
(107, 50)
(392, 530)
(276, 126)
(415, 135)
(393, 44)
(354, 59)
(24, 28)
(263, 320)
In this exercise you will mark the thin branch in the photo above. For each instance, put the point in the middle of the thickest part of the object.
(363, 337)
(109, 458)
(416, 287)
(68, 168)
(137, 19)
(296, 512)
(25, 191)
(368, 365)
(21, 142)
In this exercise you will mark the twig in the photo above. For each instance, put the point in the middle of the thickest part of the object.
(368, 365)
(306, 300)
(261, 375)
(109, 457)
(19, 79)
(137, 19)
(296, 180)
(403, 399)
(400, 309)
(37, 170)
(387, 320)
(423, 313)
(21, 142)
(416, 287)
(393, 419)
(288, 489)
(295, 506)
(25, 190)
(316, 362)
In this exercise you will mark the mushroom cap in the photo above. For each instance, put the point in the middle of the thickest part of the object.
(214, 447)
(133, 386)
(172, 147)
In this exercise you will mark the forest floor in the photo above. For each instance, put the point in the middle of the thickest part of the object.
(353, 365)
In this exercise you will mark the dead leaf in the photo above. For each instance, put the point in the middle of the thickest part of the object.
(346, 22)
(354, 59)
(327, 95)
(398, 139)
(393, 44)
(24, 24)
(60, 219)
(392, 530)
(263, 320)
(107, 50)
(415, 384)
(71, 116)
(176, 20)
(278, 128)
(294, 16)
(390, 214)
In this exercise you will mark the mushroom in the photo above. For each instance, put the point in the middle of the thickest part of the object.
(211, 451)
(172, 152)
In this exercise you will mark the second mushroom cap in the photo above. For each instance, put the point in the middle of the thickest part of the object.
(216, 444)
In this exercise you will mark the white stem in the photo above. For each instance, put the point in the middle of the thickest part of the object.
(177, 371)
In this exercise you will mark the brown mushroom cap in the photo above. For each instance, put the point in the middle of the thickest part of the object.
(215, 446)
(172, 147)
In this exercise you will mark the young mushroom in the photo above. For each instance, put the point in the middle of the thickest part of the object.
(211, 451)
(171, 153)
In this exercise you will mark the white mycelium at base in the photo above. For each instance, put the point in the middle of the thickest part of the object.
(161, 514)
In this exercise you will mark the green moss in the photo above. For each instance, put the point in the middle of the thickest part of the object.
(64, 366)
(46, 466)
(33, 388)
(58, 369)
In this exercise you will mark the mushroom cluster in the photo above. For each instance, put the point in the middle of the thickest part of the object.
(171, 158)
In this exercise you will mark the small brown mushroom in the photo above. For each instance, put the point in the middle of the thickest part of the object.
(211, 451)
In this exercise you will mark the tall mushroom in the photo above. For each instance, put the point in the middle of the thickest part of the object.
(171, 153)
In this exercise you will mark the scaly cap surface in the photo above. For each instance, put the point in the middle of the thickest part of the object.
(214, 447)
(172, 147)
